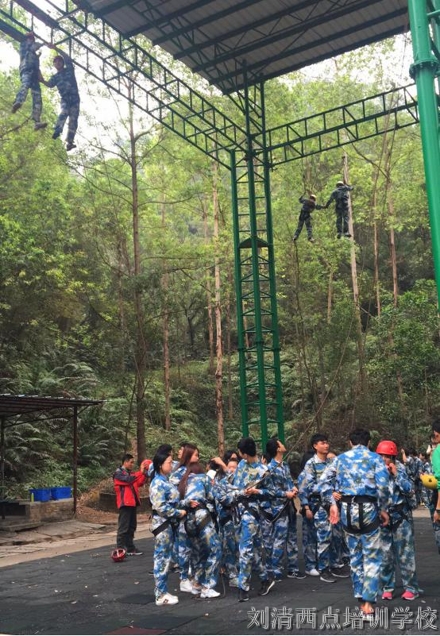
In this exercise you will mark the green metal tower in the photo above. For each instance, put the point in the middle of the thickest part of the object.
(425, 29)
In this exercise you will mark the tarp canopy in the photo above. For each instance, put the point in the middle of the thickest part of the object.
(219, 39)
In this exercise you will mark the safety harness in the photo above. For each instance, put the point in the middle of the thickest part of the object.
(360, 500)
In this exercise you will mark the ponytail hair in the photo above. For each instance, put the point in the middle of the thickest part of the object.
(193, 469)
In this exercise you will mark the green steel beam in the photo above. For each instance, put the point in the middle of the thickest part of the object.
(424, 71)
(346, 124)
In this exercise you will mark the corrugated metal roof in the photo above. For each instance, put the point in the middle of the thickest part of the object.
(12, 405)
(220, 38)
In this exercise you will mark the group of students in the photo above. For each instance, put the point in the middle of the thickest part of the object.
(340, 196)
(240, 517)
(64, 80)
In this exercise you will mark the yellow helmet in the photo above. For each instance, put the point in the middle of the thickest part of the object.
(429, 481)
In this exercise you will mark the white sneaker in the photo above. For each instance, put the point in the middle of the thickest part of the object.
(186, 586)
(312, 572)
(167, 599)
(208, 592)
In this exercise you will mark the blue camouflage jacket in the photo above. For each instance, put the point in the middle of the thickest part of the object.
(165, 500)
(65, 81)
(29, 60)
(309, 477)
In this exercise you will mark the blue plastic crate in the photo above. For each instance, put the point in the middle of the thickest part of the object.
(61, 492)
(40, 494)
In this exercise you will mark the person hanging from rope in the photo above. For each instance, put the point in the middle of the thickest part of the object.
(341, 198)
(30, 77)
(65, 81)
(305, 218)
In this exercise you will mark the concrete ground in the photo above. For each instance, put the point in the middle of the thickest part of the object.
(71, 586)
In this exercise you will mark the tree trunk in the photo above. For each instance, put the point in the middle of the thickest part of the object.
(354, 279)
(218, 317)
(140, 351)
(208, 292)
(166, 334)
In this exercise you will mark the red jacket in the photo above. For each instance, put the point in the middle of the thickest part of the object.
(127, 486)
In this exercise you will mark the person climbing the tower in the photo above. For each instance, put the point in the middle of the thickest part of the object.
(65, 81)
(305, 218)
(30, 78)
(341, 198)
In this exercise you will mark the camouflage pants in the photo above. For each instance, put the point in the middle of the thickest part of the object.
(206, 555)
(339, 553)
(292, 544)
(182, 550)
(229, 541)
(163, 551)
(309, 544)
(275, 540)
(304, 219)
(342, 221)
(69, 109)
(250, 550)
(366, 554)
(30, 81)
(324, 535)
(399, 549)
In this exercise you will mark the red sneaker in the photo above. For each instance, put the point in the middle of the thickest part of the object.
(387, 596)
(409, 596)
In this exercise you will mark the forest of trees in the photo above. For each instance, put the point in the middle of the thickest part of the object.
(116, 276)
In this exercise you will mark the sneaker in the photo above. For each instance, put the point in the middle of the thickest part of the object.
(296, 575)
(150, 572)
(266, 587)
(243, 595)
(16, 106)
(338, 235)
(341, 572)
(56, 134)
(40, 125)
(327, 576)
(295, 238)
(387, 596)
(311, 240)
(167, 599)
(208, 592)
(409, 596)
(347, 235)
(312, 572)
(187, 586)
(233, 582)
(134, 552)
(70, 146)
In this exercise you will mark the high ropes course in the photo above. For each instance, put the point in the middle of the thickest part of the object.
(237, 45)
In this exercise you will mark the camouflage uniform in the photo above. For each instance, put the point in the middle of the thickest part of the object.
(250, 539)
(340, 196)
(165, 501)
(275, 519)
(305, 218)
(201, 531)
(309, 496)
(398, 536)
(362, 478)
(30, 77)
(227, 528)
(65, 82)
(182, 547)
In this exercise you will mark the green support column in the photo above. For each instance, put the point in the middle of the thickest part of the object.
(424, 70)
(255, 284)
(238, 298)
(271, 258)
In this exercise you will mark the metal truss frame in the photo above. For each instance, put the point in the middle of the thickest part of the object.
(249, 150)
